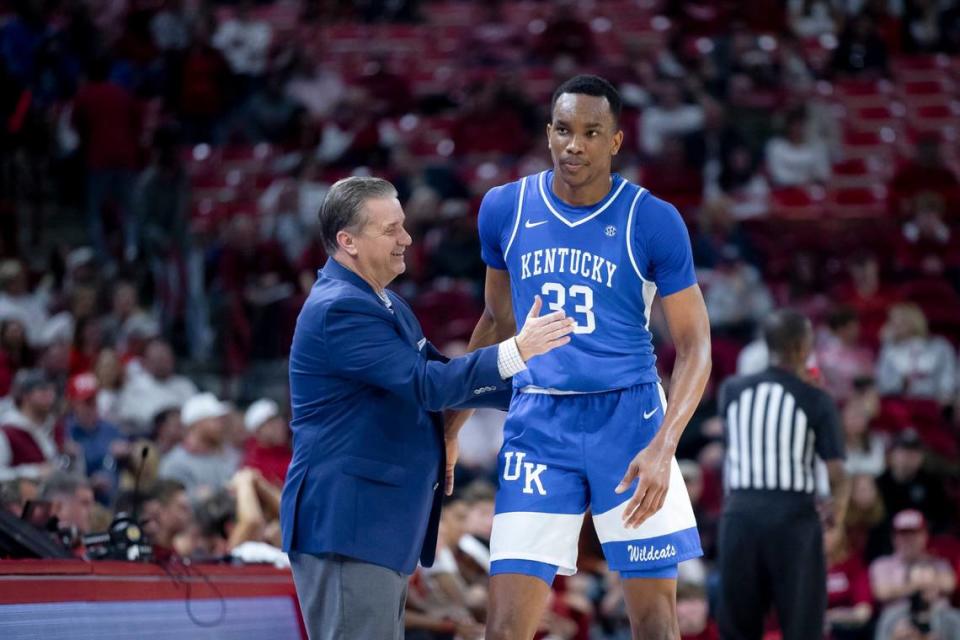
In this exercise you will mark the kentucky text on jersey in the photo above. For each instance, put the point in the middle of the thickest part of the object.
(567, 260)
(602, 264)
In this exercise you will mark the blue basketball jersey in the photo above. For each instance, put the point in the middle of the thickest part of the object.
(602, 264)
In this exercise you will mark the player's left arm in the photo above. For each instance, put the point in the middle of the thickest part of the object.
(689, 327)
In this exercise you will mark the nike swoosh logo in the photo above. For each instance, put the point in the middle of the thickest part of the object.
(648, 414)
(531, 225)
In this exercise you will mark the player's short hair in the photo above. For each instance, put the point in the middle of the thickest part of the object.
(785, 330)
(590, 85)
(343, 206)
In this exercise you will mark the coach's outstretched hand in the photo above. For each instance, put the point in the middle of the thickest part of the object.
(541, 334)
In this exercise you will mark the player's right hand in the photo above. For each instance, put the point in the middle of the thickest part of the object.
(541, 334)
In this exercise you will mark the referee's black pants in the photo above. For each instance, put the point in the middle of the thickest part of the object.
(771, 553)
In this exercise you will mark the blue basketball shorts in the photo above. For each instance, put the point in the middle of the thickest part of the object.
(564, 453)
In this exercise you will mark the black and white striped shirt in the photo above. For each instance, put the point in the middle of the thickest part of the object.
(774, 423)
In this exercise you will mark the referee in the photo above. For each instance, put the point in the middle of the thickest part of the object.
(770, 538)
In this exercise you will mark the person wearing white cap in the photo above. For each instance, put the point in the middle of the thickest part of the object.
(268, 450)
(204, 460)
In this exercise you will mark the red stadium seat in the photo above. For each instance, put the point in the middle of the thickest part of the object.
(857, 202)
(797, 202)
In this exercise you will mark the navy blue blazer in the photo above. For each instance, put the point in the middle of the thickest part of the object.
(366, 479)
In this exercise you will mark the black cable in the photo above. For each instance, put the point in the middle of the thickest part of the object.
(189, 572)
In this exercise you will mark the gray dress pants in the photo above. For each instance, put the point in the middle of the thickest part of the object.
(345, 599)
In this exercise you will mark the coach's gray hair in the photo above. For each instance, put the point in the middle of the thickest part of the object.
(343, 206)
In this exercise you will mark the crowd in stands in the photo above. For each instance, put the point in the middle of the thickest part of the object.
(162, 163)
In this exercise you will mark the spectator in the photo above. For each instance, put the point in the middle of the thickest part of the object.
(671, 174)
(706, 521)
(812, 18)
(866, 516)
(746, 189)
(204, 89)
(71, 500)
(100, 442)
(270, 115)
(28, 446)
(383, 92)
(692, 614)
(479, 496)
(927, 245)
(927, 613)
(169, 28)
(865, 450)
(717, 232)
(125, 315)
(268, 449)
(154, 388)
(736, 295)
(314, 87)
(108, 120)
(167, 430)
(753, 358)
(849, 602)
(257, 285)
(18, 302)
(904, 628)
(913, 363)
(87, 343)
(203, 462)
(161, 202)
(921, 26)
(11, 499)
(840, 356)
(245, 42)
(890, 576)
(166, 516)
(488, 126)
(234, 522)
(480, 440)
(907, 485)
(869, 295)
(566, 34)
(860, 51)
(795, 159)
(15, 353)
(109, 375)
(669, 117)
(442, 587)
(925, 173)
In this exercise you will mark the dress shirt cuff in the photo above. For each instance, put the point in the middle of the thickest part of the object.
(509, 361)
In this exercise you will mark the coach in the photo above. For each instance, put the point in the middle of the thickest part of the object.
(362, 496)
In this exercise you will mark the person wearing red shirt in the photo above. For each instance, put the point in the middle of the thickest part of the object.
(268, 450)
(869, 296)
(849, 603)
(926, 172)
(108, 120)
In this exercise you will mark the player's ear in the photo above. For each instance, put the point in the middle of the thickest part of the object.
(549, 129)
(617, 141)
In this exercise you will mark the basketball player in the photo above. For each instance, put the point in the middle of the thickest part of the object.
(589, 426)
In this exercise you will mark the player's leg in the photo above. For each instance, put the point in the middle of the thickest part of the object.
(652, 604)
(646, 557)
(798, 566)
(539, 513)
(516, 605)
(744, 581)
